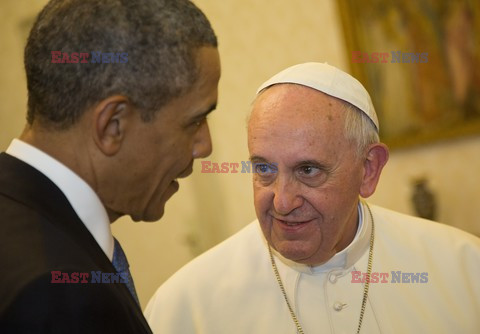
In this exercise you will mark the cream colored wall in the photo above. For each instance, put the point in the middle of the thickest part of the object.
(452, 170)
(257, 39)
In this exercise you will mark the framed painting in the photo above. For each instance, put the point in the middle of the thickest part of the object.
(420, 62)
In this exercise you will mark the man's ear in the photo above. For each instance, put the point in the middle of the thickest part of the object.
(110, 122)
(376, 158)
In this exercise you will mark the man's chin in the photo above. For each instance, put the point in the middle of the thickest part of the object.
(155, 209)
(148, 217)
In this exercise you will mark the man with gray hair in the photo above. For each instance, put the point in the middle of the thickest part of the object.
(320, 259)
(118, 94)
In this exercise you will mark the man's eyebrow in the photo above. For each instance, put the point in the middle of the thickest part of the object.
(256, 158)
(203, 115)
(314, 163)
(309, 162)
(208, 111)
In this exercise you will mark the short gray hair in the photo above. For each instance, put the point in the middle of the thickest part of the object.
(359, 129)
(161, 38)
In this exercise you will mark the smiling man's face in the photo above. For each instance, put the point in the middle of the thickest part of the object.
(307, 206)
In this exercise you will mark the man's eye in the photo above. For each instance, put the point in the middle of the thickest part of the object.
(309, 170)
(264, 168)
(199, 122)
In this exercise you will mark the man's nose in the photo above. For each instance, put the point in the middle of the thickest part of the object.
(202, 146)
(287, 196)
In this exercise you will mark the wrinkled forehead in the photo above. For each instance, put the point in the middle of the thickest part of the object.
(291, 123)
(294, 111)
(295, 103)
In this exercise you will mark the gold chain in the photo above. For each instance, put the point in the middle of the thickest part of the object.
(365, 290)
(280, 284)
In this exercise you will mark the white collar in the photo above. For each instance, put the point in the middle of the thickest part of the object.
(81, 196)
(345, 258)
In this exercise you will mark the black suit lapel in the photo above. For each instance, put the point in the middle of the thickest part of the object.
(25, 184)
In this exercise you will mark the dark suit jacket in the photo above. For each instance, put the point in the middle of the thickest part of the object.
(40, 233)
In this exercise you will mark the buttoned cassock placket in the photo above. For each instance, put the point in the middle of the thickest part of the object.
(324, 298)
(235, 288)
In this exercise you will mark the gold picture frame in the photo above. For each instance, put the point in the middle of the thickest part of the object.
(420, 62)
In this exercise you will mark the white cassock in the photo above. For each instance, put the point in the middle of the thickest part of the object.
(433, 285)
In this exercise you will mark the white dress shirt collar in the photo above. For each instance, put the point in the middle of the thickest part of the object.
(81, 196)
